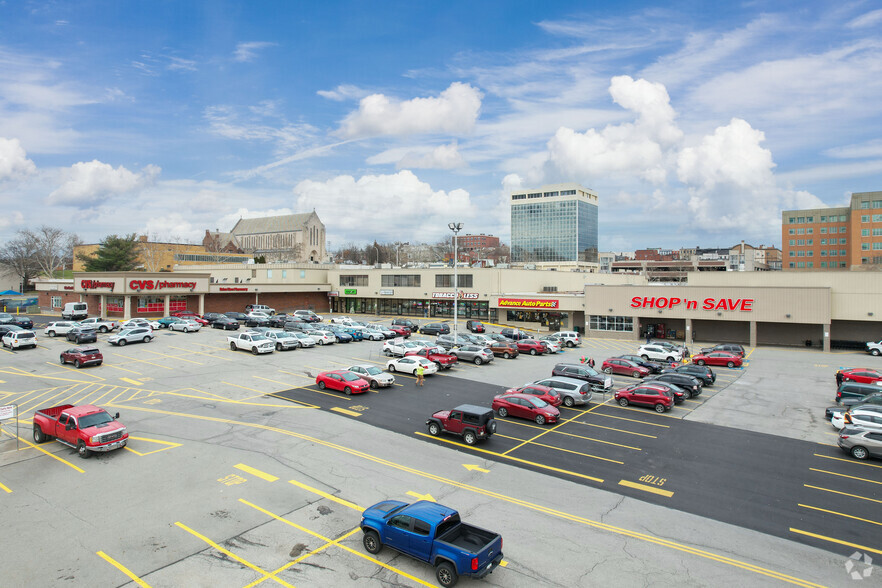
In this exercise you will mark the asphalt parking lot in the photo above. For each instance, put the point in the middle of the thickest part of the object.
(240, 470)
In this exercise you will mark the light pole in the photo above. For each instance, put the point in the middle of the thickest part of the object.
(398, 252)
(456, 228)
(378, 256)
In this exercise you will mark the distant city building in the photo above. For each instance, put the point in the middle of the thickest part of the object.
(555, 223)
(221, 242)
(848, 237)
(605, 259)
(287, 238)
(472, 242)
(155, 256)
(747, 258)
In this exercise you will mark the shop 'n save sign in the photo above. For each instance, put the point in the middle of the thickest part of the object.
(741, 304)
(159, 285)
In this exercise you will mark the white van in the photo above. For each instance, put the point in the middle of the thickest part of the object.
(75, 310)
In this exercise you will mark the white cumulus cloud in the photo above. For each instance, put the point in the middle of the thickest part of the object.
(454, 111)
(90, 183)
(343, 92)
(441, 157)
(14, 162)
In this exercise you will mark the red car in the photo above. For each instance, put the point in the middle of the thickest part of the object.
(436, 354)
(725, 358)
(343, 380)
(646, 394)
(861, 375)
(626, 367)
(401, 330)
(531, 346)
(525, 406)
(189, 314)
(80, 356)
(549, 395)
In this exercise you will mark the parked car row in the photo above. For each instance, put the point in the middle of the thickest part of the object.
(858, 411)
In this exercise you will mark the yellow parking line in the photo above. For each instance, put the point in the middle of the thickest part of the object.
(165, 367)
(851, 461)
(5, 488)
(609, 416)
(614, 429)
(326, 495)
(116, 367)
(845, 476)
(256, 472)
(67, 368)
(295, 374)
(244, 387)
(841, 514)
(173, 357)
(346, 412)
(837, 541)
(842, 493)
(52, 455)
(528, 425)
(646, 488)
(123, 569)
(202, 353)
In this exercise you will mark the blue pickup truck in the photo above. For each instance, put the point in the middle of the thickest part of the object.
(435, 534)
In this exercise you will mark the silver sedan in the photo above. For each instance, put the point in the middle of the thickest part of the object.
(474, 353)
(377, 377)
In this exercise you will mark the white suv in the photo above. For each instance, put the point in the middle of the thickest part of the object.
(260, 308)
(659, 353)
(19, 339)
(568, 338)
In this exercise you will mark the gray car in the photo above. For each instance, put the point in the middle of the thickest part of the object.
(135, 335)
(571, 390)
(284, 340)
(377, 377)
(474, 353)
(861, 443)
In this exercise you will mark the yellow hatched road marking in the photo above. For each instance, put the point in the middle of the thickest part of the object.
(116, 367)
(256, 472)
(48, 401)
(841, 514)
(838, 541)
(89, 392)
(170, 445)
(347, 412)
(123, 569)
(845, 476)
(132, 382)
(67, 368)
(646, 488)
(53, 456)
(173, 357)
(336, 499)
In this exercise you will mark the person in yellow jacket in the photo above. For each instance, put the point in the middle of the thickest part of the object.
(420, 380)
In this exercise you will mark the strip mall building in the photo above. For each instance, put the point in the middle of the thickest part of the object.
(752, 308)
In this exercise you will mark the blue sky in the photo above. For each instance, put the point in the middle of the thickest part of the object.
(695, 123)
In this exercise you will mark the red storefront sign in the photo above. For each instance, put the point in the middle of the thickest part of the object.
(159, 285)
(95, 284)
(232, 289)
(741, 304)
(527, 303)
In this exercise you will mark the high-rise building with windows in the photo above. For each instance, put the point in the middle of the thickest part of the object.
(847, 237)
(555, 223)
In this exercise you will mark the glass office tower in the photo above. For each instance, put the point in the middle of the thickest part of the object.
(557, 223)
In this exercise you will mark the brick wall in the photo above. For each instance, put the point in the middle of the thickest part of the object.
(281, 301)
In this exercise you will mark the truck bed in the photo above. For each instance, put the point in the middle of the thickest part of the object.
(53, 411)
(469, 538)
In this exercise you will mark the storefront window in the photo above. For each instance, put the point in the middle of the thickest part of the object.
(552, 320)
(115, 304)
(611, 323)
(56, 302)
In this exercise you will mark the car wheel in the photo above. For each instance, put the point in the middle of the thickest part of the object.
(859, 452)
(278, 346)
(51, 333)
(374, 385)
(607, 370)
(469, 437)
(39, 437)
(875, 352)
(347, 391)
(414, 372)
(570, 344)
(700, 362)
(636, 374)
(321, 385)
(77, 364)
(446, 574)
(623, 402)
(83, 451)
(372, 542)
(147, 339)
(121, 342)
(434, 429)
(478, 361)
(254, 351)
(687, 394)
(102, 329)
(532, 352)
(503, 412)
(568, 401)
(540, 419)
(60, 357)
(321, 341)
(730, 364)
(660, 408)
(645, 357)
(506, 355)
(391, 367)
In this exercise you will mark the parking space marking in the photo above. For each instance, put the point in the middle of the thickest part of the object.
(5, 488)
(116, 367)
(609, 416)
(256, 472)
(328, 543)
(202, 353)
(845, 476)
(644, 411)
(841, 514)
(837, 541)
(554, 429)
(173, 357)
(336, 499)
(24, 395)
(851, 461)
(614, 429)
(82, 399)
(50, 454)
(123, 569)
(346, 412)
(842, 493)
(133, 382)
(67, 368)
(646, 488)
(169, 445)
(165, 367)
(31, 404)
(232, 555)
(566, 434)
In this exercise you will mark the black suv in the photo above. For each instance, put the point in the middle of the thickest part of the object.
(407, 323)
(514, 334)
(727, 347)
(599, 382)
(83, 334)
(435, 329)
(690, 384)
(237, 316)
(466, 420)
(653, 366)
(702, 372)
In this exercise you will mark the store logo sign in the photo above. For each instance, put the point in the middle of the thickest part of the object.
(350, 291)
(387, 292)
(741, 304)
(159, 285)
(95, 284)
(527, 303)
(451, 295)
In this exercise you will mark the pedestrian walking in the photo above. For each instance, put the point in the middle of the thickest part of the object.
(648, 336)
(591, 361)
(838, 378)
(420, 379)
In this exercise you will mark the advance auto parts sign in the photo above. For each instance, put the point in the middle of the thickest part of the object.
(527, 303)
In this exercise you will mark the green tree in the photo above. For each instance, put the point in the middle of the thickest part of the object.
(116, 254)
(260, 259)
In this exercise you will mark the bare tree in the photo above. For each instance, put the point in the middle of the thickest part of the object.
(51, 247)
(20, 257)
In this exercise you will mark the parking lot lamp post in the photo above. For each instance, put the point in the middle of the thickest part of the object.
(456, 228)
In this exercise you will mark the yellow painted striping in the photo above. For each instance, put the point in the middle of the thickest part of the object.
(346, 412)
(512, 458)
(111, 389)
(842, 493)
(172, 357)
(609, 416)
(53, 456)
(170, 445)
(296, 374)
(82, 399)
(851, 461)
(551, 430)
(614, 429)
(841, 514)
(646, 488)
(243, 387)
(845, 476)
(67, 368)
(572, 451)
(538, 508)
(229, 553)
(329, 542)
(47, 402)
(132, 382)
(123, 569)
(21, 400)
(643, 410)
(165, 367)
(116, 367)
(5, 488)
(837, 541)
(323, 494)
(202, 353)
(256, 472)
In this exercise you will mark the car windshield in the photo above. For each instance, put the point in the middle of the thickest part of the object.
(257, 337)
(350, 377)
(125, 332)
(537, 402)
(374, 370)
(10, 328)
(89, 351)
(95, 419)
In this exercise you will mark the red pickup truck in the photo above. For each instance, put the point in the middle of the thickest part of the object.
(86, 428)
(436, 354)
